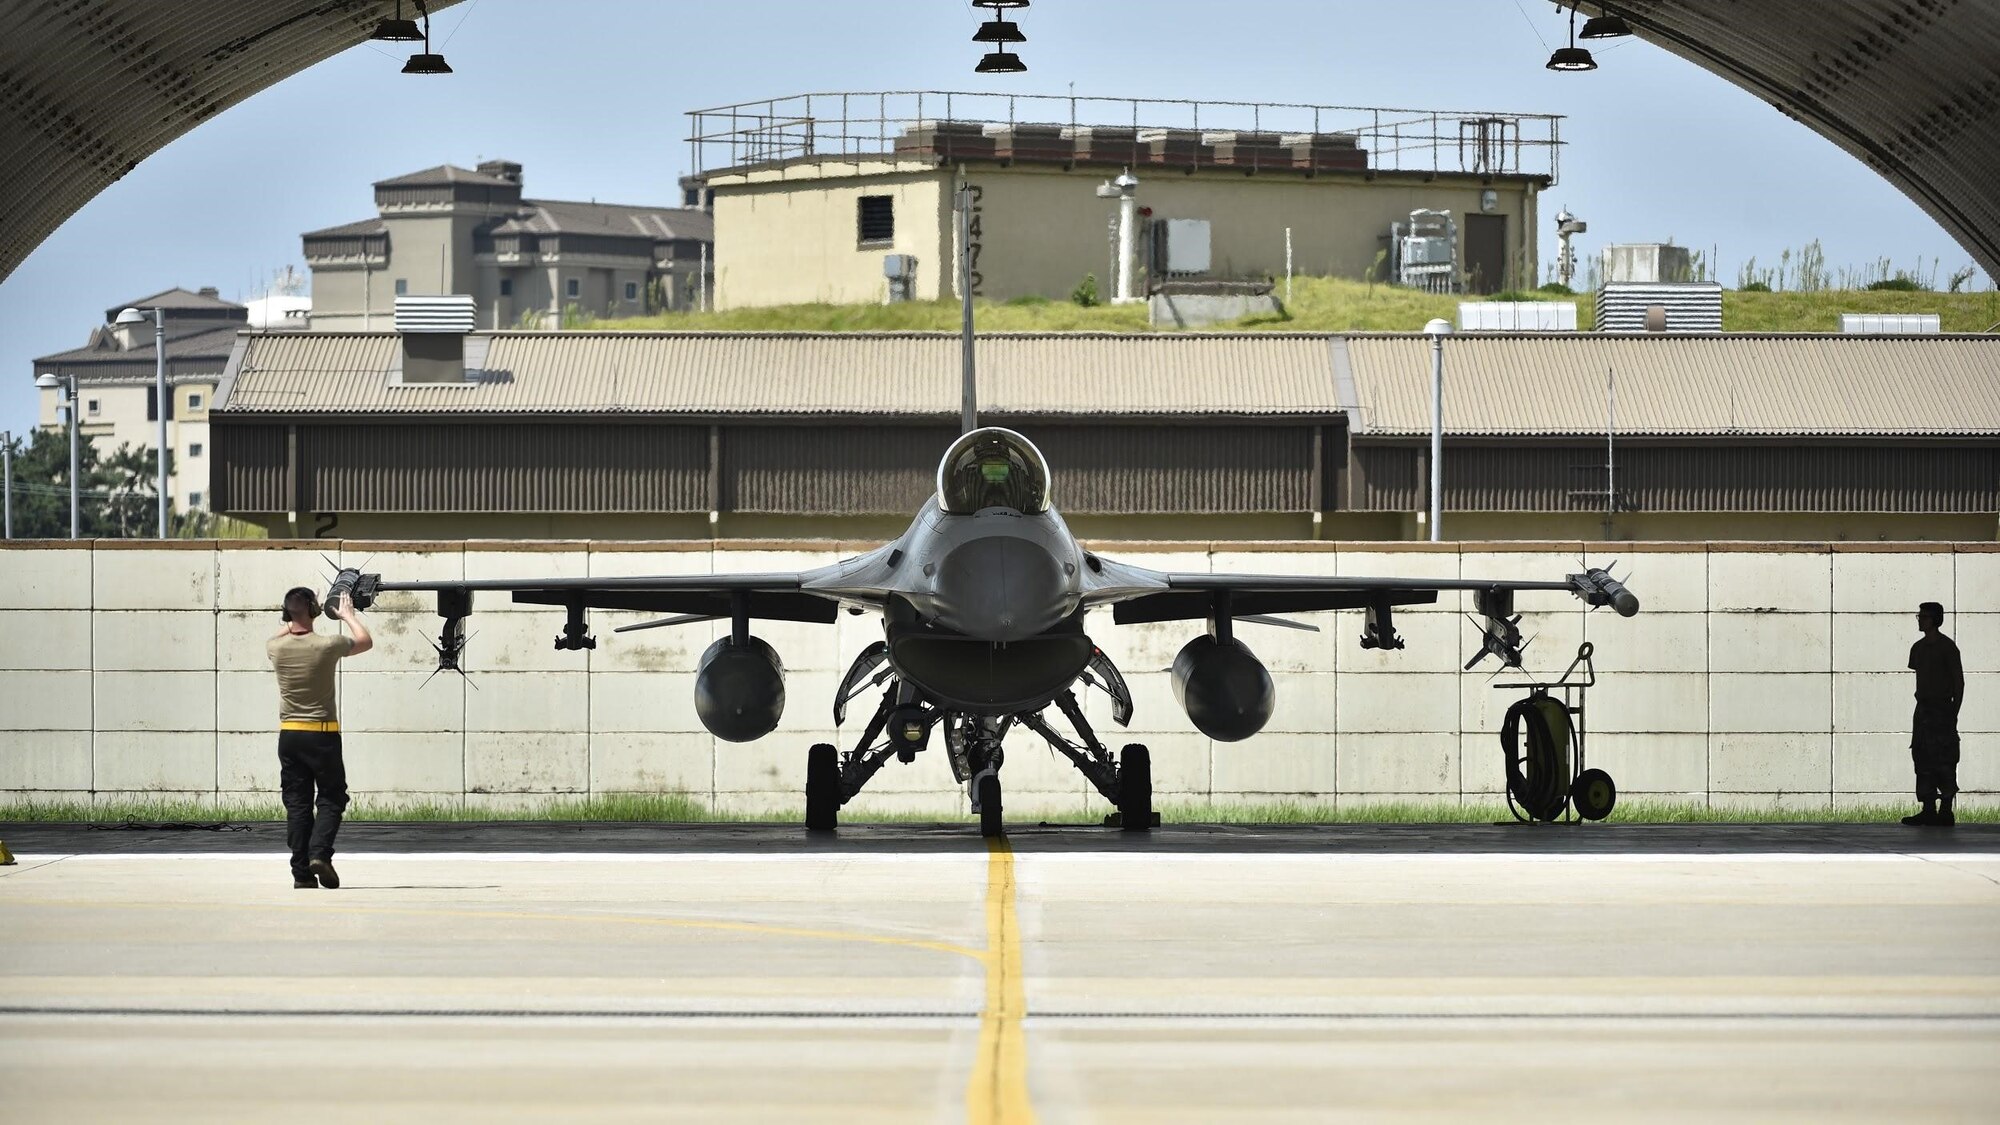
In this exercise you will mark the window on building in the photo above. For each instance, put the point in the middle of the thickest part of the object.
(92, 406)
(573, 288)
(402, 287)
(631, 290)
(875, 218)
(194, 499)
(153, 405)
(194, 449)
(194, 401)
(506, 287)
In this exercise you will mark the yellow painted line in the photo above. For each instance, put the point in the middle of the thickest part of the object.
(998, 1092)
(755, 928)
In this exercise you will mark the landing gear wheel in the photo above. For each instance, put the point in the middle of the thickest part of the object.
(1135, 788)
(989, 807)
(1593, 795)
(822, 788)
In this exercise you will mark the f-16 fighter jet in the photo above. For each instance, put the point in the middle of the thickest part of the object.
(985, 606)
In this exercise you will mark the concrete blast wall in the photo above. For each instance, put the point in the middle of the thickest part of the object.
(1770, 676)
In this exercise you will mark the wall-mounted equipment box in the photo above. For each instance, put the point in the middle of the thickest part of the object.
(1180, 248)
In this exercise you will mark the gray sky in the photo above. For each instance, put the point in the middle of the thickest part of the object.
(588, 95)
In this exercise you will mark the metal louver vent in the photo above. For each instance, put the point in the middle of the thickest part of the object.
(450, 313)
(1694, 306)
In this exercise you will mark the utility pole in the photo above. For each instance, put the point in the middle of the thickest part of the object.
(7, 479)
(160, 382)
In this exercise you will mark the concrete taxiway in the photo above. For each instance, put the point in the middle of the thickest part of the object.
(899, 974)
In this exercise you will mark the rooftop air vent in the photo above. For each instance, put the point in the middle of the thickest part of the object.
(434, 331)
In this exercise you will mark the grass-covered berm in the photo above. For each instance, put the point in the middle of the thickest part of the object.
(1317, 304)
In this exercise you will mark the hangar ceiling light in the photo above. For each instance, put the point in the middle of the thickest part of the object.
(426, 62)
(397, 29)
(1571, 57)
(1604, 27)
(1001, 62)
(999, 31)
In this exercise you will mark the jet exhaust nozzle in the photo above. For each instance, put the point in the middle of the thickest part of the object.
(1224, 688)
(739, 690)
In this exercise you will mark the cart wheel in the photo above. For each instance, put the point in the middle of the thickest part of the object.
(1135, 788)
(822, 787)
(1593, 795)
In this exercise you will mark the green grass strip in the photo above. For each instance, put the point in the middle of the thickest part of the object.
(682, 808)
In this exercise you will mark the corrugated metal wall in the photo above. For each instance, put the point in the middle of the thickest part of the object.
(249, 472)
(791, 470)
(838, 470)
(503, 468)
(1172, 469)
(852, 470)
(1686, 478)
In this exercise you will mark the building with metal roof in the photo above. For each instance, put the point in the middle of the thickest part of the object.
(525, 262)
(1246, 435)
(117, 385)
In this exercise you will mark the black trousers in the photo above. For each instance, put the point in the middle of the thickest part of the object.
(309, 760)
(1934, 752)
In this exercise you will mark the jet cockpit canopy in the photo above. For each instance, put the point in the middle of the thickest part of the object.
(993, 468)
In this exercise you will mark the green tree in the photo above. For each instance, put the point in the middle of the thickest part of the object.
(117, 495)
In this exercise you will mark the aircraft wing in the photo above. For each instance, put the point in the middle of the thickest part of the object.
(777, 596)
(1138, 594)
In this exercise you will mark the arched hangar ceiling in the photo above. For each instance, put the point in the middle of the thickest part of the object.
(88, 88)
(1911, 87)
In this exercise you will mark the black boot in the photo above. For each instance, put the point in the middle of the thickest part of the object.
(1923, 819)
(1944, 817)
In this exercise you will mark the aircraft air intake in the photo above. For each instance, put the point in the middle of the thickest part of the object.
(739, 690)
(1224, 688)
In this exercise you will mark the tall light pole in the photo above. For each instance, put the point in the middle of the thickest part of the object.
(7, 479)
(159, 317)
(968, 410)
(1437, 330)
(65, 385)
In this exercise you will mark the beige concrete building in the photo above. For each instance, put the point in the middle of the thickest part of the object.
(810, 201)
(525, 262)
(116, 383)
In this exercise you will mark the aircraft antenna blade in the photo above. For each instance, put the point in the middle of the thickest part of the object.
(1280, 622)
(683, 619)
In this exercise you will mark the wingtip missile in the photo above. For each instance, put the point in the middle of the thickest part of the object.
(1596, 586)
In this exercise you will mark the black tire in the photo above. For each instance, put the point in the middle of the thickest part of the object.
(1593, 795)
(822, 788)
(1135, 788)
(990, 825)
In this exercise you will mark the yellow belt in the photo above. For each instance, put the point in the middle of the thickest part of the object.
(330, 725)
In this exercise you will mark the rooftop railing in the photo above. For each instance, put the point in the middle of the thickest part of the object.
(1246, 136)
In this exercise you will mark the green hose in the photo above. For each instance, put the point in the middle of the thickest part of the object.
(1536, 737)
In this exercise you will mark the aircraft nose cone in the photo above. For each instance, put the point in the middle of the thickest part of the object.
(1000, 589)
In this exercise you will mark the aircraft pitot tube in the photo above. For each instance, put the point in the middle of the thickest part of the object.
(739, 689)
(1224, 688)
